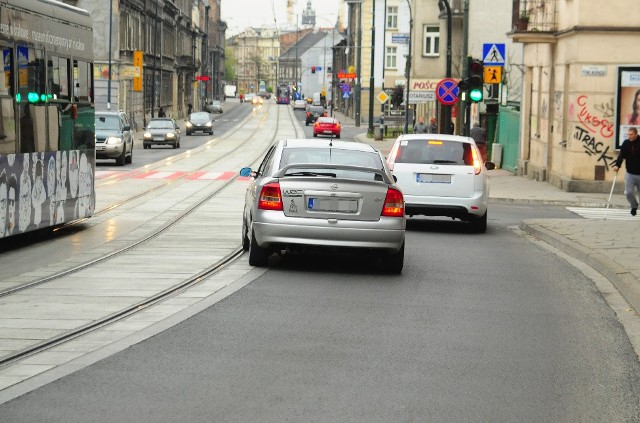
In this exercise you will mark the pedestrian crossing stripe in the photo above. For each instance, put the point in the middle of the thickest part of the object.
(599, 213)
(493, 54)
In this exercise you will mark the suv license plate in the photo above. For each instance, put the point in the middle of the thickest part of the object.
(433, 178)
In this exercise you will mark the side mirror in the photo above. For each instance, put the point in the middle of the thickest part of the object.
(246, 171)
(395, 178)
(127, 128)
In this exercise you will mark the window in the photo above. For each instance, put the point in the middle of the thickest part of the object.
(431, 46)
(391, 58)
(392, 16)
(58, 73)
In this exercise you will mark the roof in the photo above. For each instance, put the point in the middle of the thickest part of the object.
(442, 137)
(304, 44)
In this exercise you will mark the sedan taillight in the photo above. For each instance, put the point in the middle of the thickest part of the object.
(270, 197)
(393, 204)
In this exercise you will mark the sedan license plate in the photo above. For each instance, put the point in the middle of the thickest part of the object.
(327, 131)
(433, 178)
(332, 205)
(101, 148)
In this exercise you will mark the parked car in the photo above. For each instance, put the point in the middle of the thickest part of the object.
(327, 126)
(442, 175)
(310, 195)
(313, 113)
(299, 104)
(265, 94)
(114, 137)
(199, 121)
(214, 106)
(161, 131)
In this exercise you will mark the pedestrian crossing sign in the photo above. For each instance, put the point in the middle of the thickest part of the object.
(493, 54)
(492, 74)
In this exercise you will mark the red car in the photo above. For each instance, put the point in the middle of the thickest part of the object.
(327, 126)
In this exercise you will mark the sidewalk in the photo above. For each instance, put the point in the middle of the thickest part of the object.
(612, 247)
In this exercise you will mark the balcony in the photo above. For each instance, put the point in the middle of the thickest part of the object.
(534, 21)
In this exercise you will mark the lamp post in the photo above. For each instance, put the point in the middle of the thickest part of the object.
(109, 80)
(358, 84)
(155, 56)
(407, 71)
(446, 115)
(371, 68)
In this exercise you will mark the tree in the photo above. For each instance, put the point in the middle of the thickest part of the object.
(230, 65)
(397, 97)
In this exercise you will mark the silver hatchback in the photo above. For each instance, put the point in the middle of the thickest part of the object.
(323, 194)
(442, 175)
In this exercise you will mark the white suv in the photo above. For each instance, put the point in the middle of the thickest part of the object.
(442, 175)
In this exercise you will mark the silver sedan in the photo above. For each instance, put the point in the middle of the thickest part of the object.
(323, 194)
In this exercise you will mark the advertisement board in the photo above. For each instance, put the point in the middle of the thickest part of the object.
(628, 102)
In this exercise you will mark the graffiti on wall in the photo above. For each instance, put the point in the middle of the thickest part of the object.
(43, 189)
(595, 128)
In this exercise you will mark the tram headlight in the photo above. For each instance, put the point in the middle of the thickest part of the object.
(113, 140)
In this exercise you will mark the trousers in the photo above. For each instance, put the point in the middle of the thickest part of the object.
(631, 184)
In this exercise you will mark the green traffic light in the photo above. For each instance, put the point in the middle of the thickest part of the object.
(33, 97)
(475, 95)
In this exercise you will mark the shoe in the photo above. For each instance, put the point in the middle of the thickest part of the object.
(633, 212)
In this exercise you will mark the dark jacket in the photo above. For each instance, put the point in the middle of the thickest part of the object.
(630, 153)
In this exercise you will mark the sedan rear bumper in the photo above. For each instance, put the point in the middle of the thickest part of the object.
(386, 234)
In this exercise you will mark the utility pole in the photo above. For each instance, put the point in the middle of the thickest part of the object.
(446, 115)
(371, 68)
(359, 66)
(407, 71)
(466, 109)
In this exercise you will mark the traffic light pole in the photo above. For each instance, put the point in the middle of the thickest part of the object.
(466, 109)
(407, 71)
(446, 110)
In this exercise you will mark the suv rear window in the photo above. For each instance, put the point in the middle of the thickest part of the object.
(435, 152)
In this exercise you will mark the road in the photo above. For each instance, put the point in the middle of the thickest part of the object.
(488, 327)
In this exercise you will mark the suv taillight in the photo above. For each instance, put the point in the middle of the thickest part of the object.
(477, 162)
(391, 158)
(393, 204)
(270, 197)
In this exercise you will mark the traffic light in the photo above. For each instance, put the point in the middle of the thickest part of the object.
(313, 69)
(476, 80)
(463, 88)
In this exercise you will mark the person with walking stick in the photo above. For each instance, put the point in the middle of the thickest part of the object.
(630, 152)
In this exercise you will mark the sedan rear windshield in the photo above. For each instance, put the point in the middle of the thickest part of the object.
(435, 152)
(332, 156)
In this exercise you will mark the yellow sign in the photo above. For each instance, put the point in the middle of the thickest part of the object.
(383, 97)
(138, 62)
(492, 74)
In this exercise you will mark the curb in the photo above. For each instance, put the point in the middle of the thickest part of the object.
(624, 281)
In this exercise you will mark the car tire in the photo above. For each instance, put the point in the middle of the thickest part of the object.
(246, 243)
(394, 262)
(306, 123)
(211, 133)
(338, 136)
(129, 158)
(315, 135)
(479, 224)
(122, 159)
(188, 133)
(258, 256)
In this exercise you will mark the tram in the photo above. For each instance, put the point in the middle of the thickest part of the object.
(47, 142)
(283, 94)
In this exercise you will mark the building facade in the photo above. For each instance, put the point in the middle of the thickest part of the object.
(256, 52)
(573, 111)
(181, 55)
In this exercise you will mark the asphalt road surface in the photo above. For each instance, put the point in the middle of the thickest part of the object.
(478, 328)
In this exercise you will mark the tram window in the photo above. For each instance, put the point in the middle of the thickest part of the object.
(82, 81)
(7, 114)
(58, 78)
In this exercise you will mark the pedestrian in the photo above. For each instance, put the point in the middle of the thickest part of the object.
(630, 152)
(420, 127)
(479, 135)
(433, 126)
(161, 112)
(189, 108)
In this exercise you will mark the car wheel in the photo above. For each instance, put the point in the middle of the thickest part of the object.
(121, 160)
(479, 224)
(130, 157)
(338, 136)
(245, 236)
(315, 135)
(394, 262)
(188, 133)
(258, 256)
(211, 133)
(306, 123)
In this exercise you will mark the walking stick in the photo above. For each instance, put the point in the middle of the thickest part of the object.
(610, 194)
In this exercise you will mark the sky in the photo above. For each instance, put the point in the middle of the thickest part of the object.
(241, 14)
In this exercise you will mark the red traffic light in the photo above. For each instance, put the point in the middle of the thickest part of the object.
(476, 67)
(313, 69)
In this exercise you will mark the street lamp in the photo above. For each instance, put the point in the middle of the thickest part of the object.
(109, 80)
(443, 5)
(371, 67)
(407, 71)
(358, 84)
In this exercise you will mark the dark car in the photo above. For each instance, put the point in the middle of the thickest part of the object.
(161, 131)
(199, 121)
(114, 137)
(313, 113)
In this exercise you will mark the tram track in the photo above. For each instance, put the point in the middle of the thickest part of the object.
(234, 253)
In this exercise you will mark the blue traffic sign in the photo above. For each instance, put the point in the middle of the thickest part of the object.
(493, 54)
(447, 91)
(345, 94)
